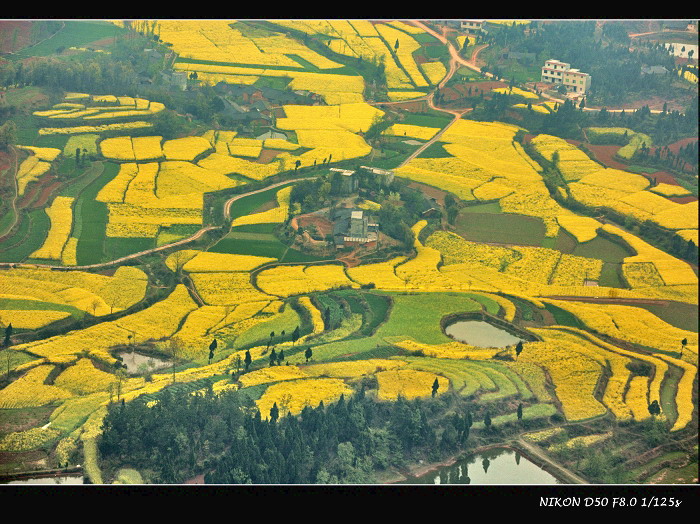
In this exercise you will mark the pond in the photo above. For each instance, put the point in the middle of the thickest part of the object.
(137, 363)
(65, 479)
(481, 334)
(491, 467)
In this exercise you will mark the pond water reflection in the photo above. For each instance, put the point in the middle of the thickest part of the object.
(481, 334)
(491, 467)
(65, 479)
(136, 362)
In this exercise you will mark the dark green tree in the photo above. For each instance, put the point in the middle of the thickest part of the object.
(518, 348)
(212, 347)
(436, 385)
(308, 353)
(520, 412)
(8, 134)
(248, 360)
(327, 318)
(273, 357)
(295, 335)
(280, 357)
(487, 420)
(654, 408)
(8, 334)
(274, 413)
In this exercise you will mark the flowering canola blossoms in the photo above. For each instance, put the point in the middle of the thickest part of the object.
(61, 214)
(484, 154)
(626, 193)
(93, 293)
(275, 215)
(166, 189)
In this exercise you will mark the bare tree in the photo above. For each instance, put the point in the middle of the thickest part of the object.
(175, 349)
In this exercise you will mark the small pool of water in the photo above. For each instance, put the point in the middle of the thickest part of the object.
(481, 334)
(66, 479)
(492, 467)
(139, 363)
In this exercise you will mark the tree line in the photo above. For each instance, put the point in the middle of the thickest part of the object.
(228, 439)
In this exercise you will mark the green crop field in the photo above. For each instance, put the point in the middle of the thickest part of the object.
(93, 219)
(73, 34)
(374, 387)
(505, 228)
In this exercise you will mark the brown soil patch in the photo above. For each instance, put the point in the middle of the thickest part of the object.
(432, 192)
(683, 199)
(655, 103)
(279, 112)
(5, 160)
(199, 479)
(665, 177)
(23, 459)
(323, 225)
(268, 155)
(419, 106)
(605, 154)
(105, 42)
(676, 146)
(14, 35)
(265, 207)
(32, 189)
(47, 188)
(488, 85)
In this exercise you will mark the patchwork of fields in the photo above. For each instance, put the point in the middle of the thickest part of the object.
(578, 286)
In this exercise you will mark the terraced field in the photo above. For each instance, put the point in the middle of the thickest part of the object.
(293, 328)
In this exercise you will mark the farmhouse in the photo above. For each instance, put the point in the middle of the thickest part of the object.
(345, 180)
(556, 72)
(473, 27)
(386, 176)
(353, 226)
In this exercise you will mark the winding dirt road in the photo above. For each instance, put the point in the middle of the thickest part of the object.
(192, 238)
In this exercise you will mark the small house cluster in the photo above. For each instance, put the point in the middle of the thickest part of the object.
(556, 72)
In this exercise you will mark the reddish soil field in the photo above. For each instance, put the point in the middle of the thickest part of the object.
(105, 42)
(605, 154)
(461, 90)
(268, 155)
(676, 146)
(654, 103)
(430, 191)
(683, 199)
(46, 191)
(199, 479)
(323, 226)
(488, 85)
(413, 107)
(33, 189)
(7, 35)
(5, 160)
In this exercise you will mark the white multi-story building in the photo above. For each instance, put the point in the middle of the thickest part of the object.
(556, 72)
(472, 26)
